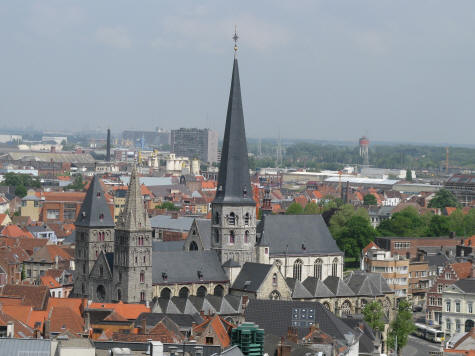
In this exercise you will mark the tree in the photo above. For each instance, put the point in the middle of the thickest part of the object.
(374, 315)
(20, 191)
(407, 222)
(401, 326)
(355, 235)
(439, 226)
(370, 199)
(16, 179)
(442, 199)
(294, 209)
(77, 183)
(311, 209)
(168, 205)
(408, 175)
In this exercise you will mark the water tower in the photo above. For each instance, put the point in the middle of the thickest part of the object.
(364, 150)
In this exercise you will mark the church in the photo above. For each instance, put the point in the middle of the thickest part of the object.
(116, 262)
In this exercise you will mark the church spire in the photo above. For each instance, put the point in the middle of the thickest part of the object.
(134, 216)
(234, 184)
(94, 210)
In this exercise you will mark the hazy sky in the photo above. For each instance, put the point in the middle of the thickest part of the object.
(394, 70)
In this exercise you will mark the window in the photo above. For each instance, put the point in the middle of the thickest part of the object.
(231, 218)
(209, 340)
(297, 272)
(457, 325)
(216, 218)
(278, 263)
(447, 306)
(216, 236)
(142, 277)
(101, 271)
(447, 324)
(246, 237)
(144, 259)
(140, 240)
(346, 308)
(247, 219)
(335, 267)
(440, 288)
(470, 308)
(52, 214)
(317, 268)
(275, 295)
(457, 306)
(232, 238)
(142, 296)
(274, 280)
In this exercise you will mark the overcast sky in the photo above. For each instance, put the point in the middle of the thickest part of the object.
(393, 70)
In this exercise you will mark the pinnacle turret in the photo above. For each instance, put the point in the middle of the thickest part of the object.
(95, 211)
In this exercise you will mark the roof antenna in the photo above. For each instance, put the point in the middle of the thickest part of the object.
(235, 39)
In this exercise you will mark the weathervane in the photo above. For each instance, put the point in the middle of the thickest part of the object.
(235, 39)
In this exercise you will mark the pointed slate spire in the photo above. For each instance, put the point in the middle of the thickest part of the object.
(134, 217)
(234, 184)
(94, 210)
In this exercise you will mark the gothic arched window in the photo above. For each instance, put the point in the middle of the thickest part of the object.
(193, 246)
(218, 290)
(346, 307)
(142, 277)
(184, 292)
(247, 219)
(119, 294)
(246, 236)
(278, 263)
(201, 292)
(232, 238)
(317, 268)
(165, 293)
(216, 236)
(231, 218)
(216, 218)
(274, 295)
(335, 267)
(298, 269)
(274, 280)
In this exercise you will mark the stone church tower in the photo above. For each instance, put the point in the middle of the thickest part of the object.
(94, 234)
(233, 227)
(132, 276)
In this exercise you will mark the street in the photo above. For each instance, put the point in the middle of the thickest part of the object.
(419, 347)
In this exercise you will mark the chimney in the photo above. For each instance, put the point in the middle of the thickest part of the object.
(87, 321)
(36, 333)
(108, 146)
(10, 329)
(143, 326)
(46, 329)
(156, 348)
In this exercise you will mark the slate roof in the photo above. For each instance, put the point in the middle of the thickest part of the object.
(94, 210)
(467, 285)
(251, 276)
(317, 288)
(10, 346)
(367, 284)
(436, 260)
(297, 235)
(171, 263)
(338, 287)
(204, 230)
(227, 305)
(182, 320)
(297, 288)
(181, 223)
(276, 316)
(168, 245)
(234, 184)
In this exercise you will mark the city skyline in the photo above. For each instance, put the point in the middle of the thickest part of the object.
(320, 71)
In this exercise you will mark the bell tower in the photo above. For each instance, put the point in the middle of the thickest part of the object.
(234, 209)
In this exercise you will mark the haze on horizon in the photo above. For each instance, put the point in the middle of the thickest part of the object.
(326, 70)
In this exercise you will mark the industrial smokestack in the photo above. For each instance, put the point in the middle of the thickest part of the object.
(108, 149)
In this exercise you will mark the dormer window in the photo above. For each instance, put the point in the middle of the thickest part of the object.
(101, 217)
(98, 194)
(164, 276)
(200, 275)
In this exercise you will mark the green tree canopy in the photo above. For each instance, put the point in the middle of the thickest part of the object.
(77, 183)
(401, 327)
(311, 208)
(294, 209)
(20, 191)
(168, 205)
(442, 199)
(370, 199)
(407, 222)
(408, 175)
(19, 179)
(374, 315)
(439, 225)
(355, 235)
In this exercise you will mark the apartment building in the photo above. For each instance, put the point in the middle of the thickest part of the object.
(394, 269)
(458, 302)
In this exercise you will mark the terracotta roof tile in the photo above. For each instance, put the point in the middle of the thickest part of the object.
(2, 218)
(128, 311)
(15, 231)
(21, 330)
(64, 318)
(369, 246)
(50, 282)
(35, 296)
(463, 269)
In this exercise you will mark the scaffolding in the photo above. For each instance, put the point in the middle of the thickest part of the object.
(249, 338)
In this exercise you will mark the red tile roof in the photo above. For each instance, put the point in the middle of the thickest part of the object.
(15, 231)
(50, 282)
(2, 218)
(64, 318)
(463, 269)
(128, 311)
(370, 246)
(220, 327)
(36, 296)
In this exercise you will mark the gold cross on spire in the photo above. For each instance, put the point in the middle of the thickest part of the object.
(235, 39)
